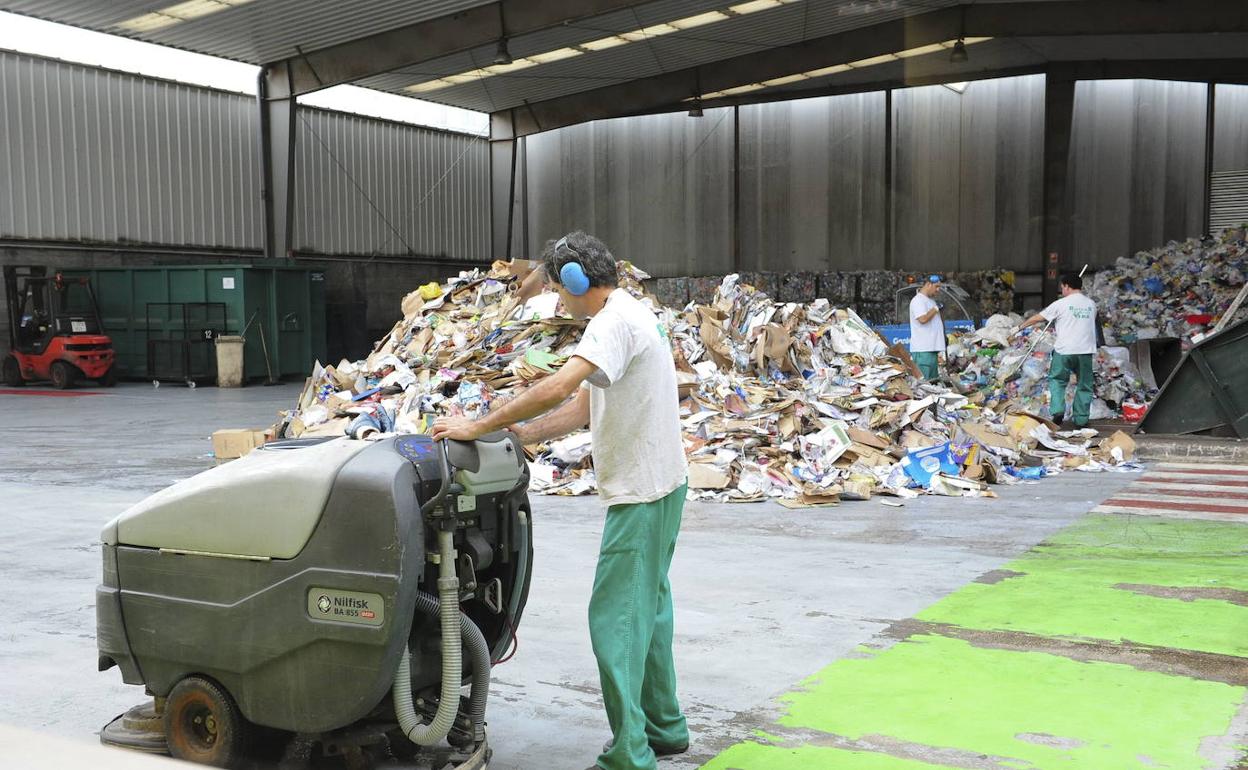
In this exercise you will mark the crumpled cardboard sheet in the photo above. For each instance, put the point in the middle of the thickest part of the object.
(800, 402)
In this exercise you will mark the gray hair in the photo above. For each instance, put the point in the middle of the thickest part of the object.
(592, 253)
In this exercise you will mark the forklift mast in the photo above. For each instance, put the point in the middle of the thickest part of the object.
(15, 298)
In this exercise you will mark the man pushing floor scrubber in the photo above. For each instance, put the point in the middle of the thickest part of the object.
(622, 382)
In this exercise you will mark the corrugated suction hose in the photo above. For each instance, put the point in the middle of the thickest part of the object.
(452, 658)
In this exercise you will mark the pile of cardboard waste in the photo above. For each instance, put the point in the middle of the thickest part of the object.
(803, 403)
(1178, 290)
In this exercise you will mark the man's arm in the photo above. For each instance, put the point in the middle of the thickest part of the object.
(539, 399)
(1035, 320)
(929, 315)
(573, 415)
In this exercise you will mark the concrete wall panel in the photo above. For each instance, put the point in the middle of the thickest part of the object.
(1230, 146)
(1137, 166)
(812, 184)
(656, 189)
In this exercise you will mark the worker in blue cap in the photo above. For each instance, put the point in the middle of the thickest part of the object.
(927, 329)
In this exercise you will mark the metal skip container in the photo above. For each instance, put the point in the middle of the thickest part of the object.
(1207, 392)
(287, 302)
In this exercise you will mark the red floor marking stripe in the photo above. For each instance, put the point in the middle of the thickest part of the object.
(53, 393)
(1185, 492)
(1206, 471)
(1203, 507)
(1210, 482)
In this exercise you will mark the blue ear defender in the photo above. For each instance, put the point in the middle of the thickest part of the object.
(572, 275)
(573, 278)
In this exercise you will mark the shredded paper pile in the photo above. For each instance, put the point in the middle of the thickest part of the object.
(799, 402)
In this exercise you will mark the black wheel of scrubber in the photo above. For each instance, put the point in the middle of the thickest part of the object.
(11, 372)
(63, 375)
(204, 725)
(110, 378)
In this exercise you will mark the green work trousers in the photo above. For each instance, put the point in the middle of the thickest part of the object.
(1060, 370)
(928, 363)
(630, 625)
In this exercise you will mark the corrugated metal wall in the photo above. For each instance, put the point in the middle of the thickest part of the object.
(1137, 166)
(376, 187)
(98, 156)
(93, 155)
(656, 189)
(968, 175)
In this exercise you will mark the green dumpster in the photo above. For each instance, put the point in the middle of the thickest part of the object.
(289, 302)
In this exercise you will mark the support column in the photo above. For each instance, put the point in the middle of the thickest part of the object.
(888, 179)
(504, 156)
(736, 188)
(1210, 133)
(1059, 114)
(277, 157)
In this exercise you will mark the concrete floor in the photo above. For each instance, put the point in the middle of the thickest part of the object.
(765, 596)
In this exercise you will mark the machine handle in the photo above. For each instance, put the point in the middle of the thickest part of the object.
(446, 480)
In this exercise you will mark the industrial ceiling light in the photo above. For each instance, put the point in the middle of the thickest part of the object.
(176, 14)
(855, 65)
(502, 56)
(602, 44)
(695, 109)
(958, 54)
(959, 87)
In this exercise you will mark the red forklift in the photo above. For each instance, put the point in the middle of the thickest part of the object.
(54, 331)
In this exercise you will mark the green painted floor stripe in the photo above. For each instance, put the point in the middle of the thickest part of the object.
(947, 693)
(748, 755)
(1068, 586)
(1033, 709)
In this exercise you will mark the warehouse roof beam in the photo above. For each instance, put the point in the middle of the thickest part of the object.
(752, 76)
(426, 40)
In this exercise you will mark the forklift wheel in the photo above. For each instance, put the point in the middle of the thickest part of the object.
(202, 724)
(63, 375)
(11, 372)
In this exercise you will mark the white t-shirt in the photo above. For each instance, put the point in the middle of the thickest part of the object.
(634, 413)
(925, 337)
(1074, 319)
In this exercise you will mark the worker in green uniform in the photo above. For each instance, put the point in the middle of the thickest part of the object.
(621, 380)
(927, 329)
(1074, 320)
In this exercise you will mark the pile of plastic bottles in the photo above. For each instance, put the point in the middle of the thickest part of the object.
(1178, 290)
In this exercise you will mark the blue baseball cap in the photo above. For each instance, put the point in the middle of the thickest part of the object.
(933, 278)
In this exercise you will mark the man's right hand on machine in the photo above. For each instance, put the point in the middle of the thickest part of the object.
(458, 428)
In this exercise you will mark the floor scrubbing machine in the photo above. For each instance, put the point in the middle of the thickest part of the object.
(320, 603)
